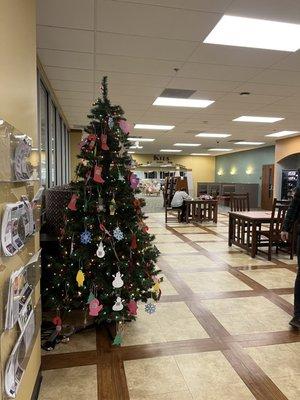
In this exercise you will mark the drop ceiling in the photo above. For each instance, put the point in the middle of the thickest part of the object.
(147, 46)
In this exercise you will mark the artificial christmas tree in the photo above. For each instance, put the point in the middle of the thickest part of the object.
(106, 262)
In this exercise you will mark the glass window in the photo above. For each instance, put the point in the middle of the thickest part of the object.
(43, 114)
(58, 150)
(52, 143)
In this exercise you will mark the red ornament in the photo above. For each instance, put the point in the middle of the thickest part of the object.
(95, 307)
(145, 229)
(92, 138)
(102, 227)
(57, 320)
(104, 142)
(72, 204)
(133, 244)
(97, 174)
(132, 307)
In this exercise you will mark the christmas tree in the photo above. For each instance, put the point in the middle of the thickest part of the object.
(107, 259)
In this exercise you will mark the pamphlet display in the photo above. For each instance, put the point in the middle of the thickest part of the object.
(17, 226)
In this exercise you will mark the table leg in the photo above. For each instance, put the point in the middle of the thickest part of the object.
(254, 240)
(215, 213)
(230, 231)
(187, 213)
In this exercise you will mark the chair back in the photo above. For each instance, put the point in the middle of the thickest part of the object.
(279, 211)
(239, 202)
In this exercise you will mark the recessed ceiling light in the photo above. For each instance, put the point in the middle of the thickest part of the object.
(140, 139)
(1, 121)
(219, 149)
(250, 118)
(255, 33)
(33, 148)
(188, 144)
(136, 147)
(131, 152)
(154, 127)
(212, 135)
(249, 143)
(176, 102)
(200, 154)
(282, 133)
(170, 151)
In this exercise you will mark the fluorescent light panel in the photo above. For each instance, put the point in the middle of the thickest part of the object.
(154, 127)
(136, 147)
(170, 151)
(282, 133)
(250, 118)
(255, 33)
(178, 102)
(219, 149)
(141, 139)
(250, 143)
(200, 154)
(131, 152)
(212, 135)
(188, 144)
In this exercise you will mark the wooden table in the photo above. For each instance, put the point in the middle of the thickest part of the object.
(201, 210)
(243, 228)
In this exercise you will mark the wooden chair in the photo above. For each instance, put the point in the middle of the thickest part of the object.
(169, 209)
(271, 236)
(239, 202)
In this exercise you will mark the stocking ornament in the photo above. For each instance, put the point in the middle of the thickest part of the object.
(133, 244)
(118, 282)
(134, 181)
(104, 142)
(72, 204)
(97, 174)
(132, 307)
(100, 251)
(95, 307)
(118, 306)
(92, 139)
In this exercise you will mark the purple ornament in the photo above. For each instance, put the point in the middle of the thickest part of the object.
(134, 181)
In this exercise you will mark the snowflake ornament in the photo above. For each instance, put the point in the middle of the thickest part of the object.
(150, 308)
(86, 237)
(118, 234)
(110, 122)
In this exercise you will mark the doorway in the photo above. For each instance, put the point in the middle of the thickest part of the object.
(267, 186)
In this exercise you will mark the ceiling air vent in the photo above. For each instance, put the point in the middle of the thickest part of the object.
(177, 93)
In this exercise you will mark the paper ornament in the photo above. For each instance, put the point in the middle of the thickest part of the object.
(104, 142)
(97, 174)
(86, 237)
(92, 138)
(118, 306)
(72, 204)
(100, 204)
(95, 307)
(118, 281)
(121, 178)
(100, 250)
(150, 308)
(118, 234)
(80, 278)
(110, 122)
(124, 125)
(133, 244)
(132, 307)
(117, 340)
(90, 298)
(112, 207)
(134, 181)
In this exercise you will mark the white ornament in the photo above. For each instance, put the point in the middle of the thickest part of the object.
(118, 282)
(100, 251)
(118, 306)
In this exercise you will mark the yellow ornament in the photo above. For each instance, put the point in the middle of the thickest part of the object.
(156, 287)
(80, 278)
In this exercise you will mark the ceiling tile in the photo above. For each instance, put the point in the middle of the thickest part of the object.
(72, 86)
(289, 63)
(252, 98)
(70, 74)
(63, 94)
(203, 84)
(65, 39)
(154, 21)
(67, 59)
(66, 13)
(202, 5)
(119, 78)
(145, 47)
(278, 77)
(267, 89)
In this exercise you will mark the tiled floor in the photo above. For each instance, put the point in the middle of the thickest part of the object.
(220, 330)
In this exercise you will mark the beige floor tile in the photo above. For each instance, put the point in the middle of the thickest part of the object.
(285, 258)
(289, 387)
(190, 229)
(209, 376)
(163, 231)
(244, 260)
(167, 239)
(288, 297)
(182, 395)
(204, 237)
(171, 322)
(153, 377)
(180, 262)
(179, 248)
(219, 229)
(167, 288)
(273, 278)
(220, 247)
(248, 315)
(70, 383)
(215, 281)
(82, 341)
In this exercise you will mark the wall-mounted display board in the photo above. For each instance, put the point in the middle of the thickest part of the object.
(17, 159)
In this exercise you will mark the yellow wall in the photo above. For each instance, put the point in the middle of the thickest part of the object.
(18, 106)
(75, 139)
(203, 167)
